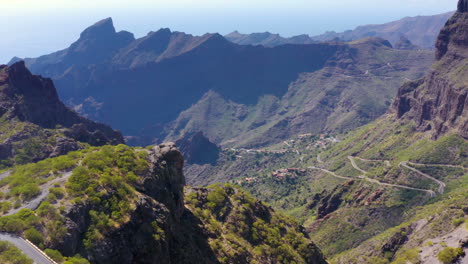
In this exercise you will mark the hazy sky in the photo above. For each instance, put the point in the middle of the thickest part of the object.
(35, 27)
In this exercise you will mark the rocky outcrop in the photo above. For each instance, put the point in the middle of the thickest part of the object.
(30, 108)
(198, 149)
(405, 44)
(438, 103)
(159, 227)
(332, 201)
(160, 200)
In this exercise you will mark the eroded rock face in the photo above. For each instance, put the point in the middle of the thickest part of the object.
(438, 103)
(159, 199)
(463, 6)
(198, 149)
(32, 101)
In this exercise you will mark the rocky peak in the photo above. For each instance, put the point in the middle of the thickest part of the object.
(453, 40)
(439, 102)
(31, 99)
(463, 6)
(102, 28)
(405, 44)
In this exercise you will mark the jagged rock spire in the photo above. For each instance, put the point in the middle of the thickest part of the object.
(463, 6)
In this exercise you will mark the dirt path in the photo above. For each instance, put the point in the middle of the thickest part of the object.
(387, 163)
(438, 165)
(36, 201)
(331, 173)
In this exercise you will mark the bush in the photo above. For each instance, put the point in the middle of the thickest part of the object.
(12, 255)
(34, 236)
(76, 260)
(55, 255)
(457, 222)
(449, 255)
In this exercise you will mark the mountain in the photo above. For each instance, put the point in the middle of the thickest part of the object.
(35, 124)
(354, 87)
(437, 102)
(420, 30)
(142, 76)
(392, 191)
(116, 204)
(96, 44)
(405, 44)
(266, 39)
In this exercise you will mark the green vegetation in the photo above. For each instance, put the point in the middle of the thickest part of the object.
(34, 236)
(55, 255)
(104, 179)
(9, 254)
(449, 255)
(25, 180)
(226, 212)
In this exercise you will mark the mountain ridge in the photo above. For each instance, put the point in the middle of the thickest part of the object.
(34, 118)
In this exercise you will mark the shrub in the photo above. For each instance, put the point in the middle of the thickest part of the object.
(10, 254)
(76, 260)
(55, 255)
(457, 222)
(34, 236)
(449, 255)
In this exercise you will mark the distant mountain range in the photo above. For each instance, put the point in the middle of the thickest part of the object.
(420, 30)
(267, 93)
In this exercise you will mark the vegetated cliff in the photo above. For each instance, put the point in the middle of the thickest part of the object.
(125, 205)
(35, 124)
(438, 103)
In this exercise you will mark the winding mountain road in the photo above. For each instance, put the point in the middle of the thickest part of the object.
(387, 163)
(27, 248)
(331, 173)
(438, 165)
(440, 183)
(355, 166)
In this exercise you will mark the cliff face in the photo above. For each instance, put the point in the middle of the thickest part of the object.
(148, 219)
(30, 110)
(438, 102)
(158, 202)
(198, 149)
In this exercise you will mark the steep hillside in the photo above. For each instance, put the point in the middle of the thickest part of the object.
(35, 125)
(115, 204)
(393, 191)
(146, 75)
(420, 30)
(354, 87)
